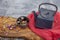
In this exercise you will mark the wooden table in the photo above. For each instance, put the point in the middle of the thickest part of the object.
(15, 32)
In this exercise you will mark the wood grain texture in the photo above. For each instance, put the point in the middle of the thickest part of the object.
(15, 32)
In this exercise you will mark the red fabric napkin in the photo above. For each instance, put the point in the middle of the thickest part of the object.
(47, 34)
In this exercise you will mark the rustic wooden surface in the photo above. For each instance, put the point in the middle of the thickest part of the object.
(15, 32)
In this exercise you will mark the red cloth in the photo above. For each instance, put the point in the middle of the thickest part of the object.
(47, 34)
